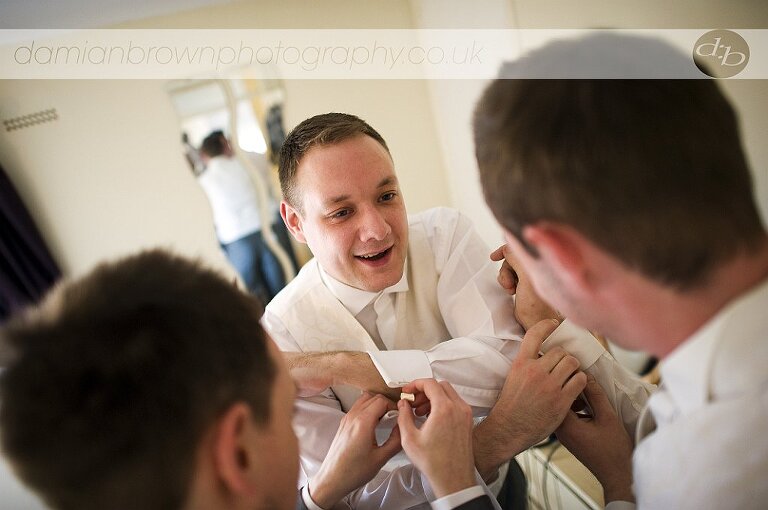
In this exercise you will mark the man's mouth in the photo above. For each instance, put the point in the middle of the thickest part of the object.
(372, 257)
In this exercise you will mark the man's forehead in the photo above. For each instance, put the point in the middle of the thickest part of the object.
(344, 195)
(361, 149)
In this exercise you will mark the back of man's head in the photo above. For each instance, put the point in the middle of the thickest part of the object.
(320, 130)
(650, 170)
(114, 380)
(215, 144)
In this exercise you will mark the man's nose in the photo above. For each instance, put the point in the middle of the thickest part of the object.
(374, 226)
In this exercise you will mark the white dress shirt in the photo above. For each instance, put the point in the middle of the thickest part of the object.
(448, 502)
(233, 198)
(481, 337)
(709, 447)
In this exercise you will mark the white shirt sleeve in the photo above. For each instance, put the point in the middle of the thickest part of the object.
(311, 505)
(451, 501)
(627, 393)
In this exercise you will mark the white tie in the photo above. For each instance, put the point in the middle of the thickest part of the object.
(367, 319)
(386, 320)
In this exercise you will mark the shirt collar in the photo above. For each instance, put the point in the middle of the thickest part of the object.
(355, 299)
(686, 373)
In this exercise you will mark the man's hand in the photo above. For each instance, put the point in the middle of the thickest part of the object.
(315, 372)
(601, 443)
(354, 457)
(535, 398)
(529, 307)
(442, 447)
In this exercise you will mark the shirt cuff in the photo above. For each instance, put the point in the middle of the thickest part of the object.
(451, 501)
(577, 342)
(398, 368)
(311, 505)
(620, 505)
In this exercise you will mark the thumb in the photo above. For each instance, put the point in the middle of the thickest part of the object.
(498, 254)
(569, 428)
(405, 419)
(570, 421)
(535, 336)
(597, 398)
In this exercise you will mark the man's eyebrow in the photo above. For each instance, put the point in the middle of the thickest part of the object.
(387, 181)
(337, 199)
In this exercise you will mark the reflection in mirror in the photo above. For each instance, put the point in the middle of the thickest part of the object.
(222, 126)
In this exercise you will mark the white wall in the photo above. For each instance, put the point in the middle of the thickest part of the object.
(108, 177)
(453, 102)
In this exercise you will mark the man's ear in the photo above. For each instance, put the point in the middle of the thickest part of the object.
(564, 250)
(236, 444)
(292, 220)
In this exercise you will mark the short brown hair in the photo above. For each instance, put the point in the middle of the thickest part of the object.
(320, 130)
(650, 170)
(115, 379)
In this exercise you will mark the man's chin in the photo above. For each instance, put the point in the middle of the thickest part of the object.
(377, 283)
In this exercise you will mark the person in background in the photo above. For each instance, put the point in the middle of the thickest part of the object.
(237, 217)
(629, 206)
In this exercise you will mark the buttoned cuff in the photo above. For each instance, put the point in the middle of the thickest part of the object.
(398, 368)
(451, 501)
(311, 505)
(578, 342)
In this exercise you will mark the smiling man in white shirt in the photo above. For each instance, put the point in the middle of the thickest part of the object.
(390, 298)
(629, 205)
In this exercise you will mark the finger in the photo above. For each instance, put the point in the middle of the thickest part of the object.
(390, 447)
(429, 387)
(574, 386)
(531, 344)
(498, 253)
(363, 401)
(423, 409)
(564, 369)
(535, 336)
(506, 277)
(377, 407)
(552, 358)
(569, 427)
(419, 399)
(405, 420)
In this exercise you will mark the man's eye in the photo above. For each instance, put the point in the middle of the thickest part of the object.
(340, 214)
(386, 197)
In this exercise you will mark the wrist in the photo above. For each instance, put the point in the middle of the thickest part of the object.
(357, 369)
(321, 493)
(618, 489)
(487, 448)
(451, 483)
(618, 494)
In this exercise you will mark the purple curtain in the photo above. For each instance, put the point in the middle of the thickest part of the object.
(27, 269)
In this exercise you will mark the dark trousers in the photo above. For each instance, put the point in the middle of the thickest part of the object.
(257, 265)
(514, 492)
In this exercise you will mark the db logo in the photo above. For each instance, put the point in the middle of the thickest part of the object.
(721, 53)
